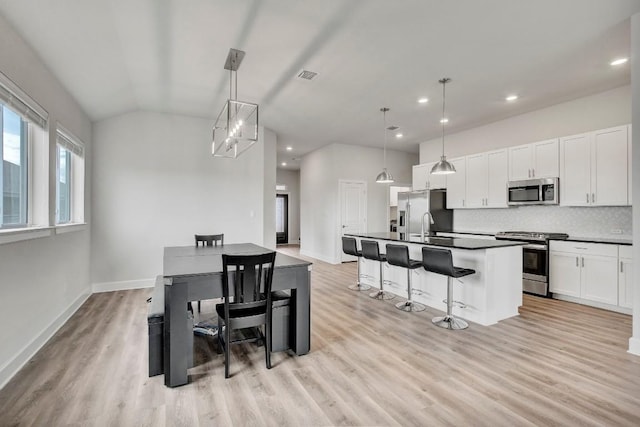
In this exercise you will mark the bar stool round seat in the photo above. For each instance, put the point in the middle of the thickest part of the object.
(371, 252)
(350, 247)
(440, 261)
(398, 255)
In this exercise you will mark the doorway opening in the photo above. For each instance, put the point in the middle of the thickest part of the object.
(282, 219)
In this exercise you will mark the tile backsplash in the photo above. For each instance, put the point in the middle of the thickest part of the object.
(575, 221)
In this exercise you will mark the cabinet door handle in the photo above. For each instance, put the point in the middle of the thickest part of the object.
(529, 173)
(587, 197)
(583, 261)
(463, 202)
(593, 197)
(577, 265)
(621, 267)
(533, 173)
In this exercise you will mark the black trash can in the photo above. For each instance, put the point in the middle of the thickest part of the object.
(280, 321)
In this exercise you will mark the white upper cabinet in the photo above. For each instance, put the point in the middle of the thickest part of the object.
(422, 178)
(535, 160)
(393, 194)
(575, 170)
(497, 162)
(609, 167)
(456, 185)
(486, 180)
(593, 168)
(476, 181)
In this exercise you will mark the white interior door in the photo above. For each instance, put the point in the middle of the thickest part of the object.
(353, 210)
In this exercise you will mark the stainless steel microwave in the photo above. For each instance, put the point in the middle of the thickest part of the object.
(542, 191)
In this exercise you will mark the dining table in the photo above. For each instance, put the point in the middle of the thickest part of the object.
(195, 273)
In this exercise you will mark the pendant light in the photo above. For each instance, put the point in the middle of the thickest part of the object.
(443, 167)
(384, 177)
(236, 128)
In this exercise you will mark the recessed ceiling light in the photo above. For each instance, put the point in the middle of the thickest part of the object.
(284, 163)
(399, 135)
(511, 98)
(289, 148)
(619, 61)
(423, 100)
(445, 120)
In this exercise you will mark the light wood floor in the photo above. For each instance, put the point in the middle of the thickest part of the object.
(557, 363)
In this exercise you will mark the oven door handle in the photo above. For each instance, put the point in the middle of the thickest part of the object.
(534, 246)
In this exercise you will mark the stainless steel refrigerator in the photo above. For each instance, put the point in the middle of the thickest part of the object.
(412, 206)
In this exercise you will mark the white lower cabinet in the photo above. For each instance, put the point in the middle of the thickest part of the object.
(589, 271)
(625, 277)
(564, 273)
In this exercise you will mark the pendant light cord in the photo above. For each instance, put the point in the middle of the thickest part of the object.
(444, 83)
(384, 152)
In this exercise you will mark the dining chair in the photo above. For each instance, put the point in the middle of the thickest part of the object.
(246, 289)
(207, 240)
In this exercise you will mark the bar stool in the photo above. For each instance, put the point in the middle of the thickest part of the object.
(439, 261)
(398, 255)
(370, 251)
(350, 247)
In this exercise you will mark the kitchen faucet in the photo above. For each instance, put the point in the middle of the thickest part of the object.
(422, 224)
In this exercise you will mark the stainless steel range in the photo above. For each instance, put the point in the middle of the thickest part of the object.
(535, 258)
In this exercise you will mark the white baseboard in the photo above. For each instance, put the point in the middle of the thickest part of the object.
(14, 365)
(123, 285)
(634, 346)
(595, 304)
(318, 256)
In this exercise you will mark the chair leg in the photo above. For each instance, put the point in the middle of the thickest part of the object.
(449, 321)
(198, 306)
(409, 305)
(381, 294)
(359, 286)
(267, 347)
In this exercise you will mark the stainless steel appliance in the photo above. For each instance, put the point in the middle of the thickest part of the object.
(543, 191)
(423, 210)
(535, 258)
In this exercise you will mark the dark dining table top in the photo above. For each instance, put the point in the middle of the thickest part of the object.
(195, 261)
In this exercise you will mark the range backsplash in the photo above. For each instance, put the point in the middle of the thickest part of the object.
(575, 221)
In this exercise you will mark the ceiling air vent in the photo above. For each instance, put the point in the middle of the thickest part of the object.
(307, 75)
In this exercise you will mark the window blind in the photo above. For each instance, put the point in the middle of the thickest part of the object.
(68, 141)
(16, 99)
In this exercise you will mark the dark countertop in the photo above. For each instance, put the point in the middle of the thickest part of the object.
(600, 240)
(481, 233)
(444, 242)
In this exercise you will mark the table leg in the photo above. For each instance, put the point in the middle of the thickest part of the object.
(175, 339)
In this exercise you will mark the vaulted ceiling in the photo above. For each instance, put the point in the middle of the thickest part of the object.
(117, 56)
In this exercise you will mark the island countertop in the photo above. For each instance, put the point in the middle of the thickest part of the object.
(444, 242)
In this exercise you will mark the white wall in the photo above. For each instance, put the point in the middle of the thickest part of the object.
(42, 281)
(291, 179)
(320, 172)
(156, 185)
(634, 341)
(599, 111)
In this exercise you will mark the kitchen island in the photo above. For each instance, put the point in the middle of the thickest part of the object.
(492, 294)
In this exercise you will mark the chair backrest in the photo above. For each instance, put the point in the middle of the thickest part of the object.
(398, 255)
(248, 279)
(349, 246)
(370, 249)
(438, 261)
(209, 239)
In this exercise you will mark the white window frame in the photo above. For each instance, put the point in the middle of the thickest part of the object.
(37, 163)
(66, 139)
